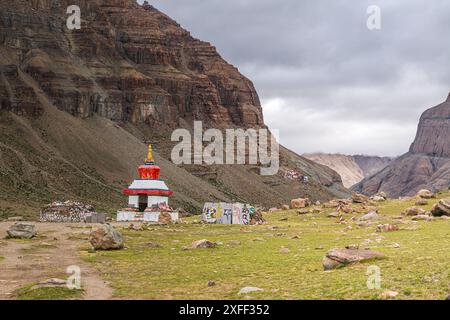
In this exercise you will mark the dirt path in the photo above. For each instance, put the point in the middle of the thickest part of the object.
(48, 256)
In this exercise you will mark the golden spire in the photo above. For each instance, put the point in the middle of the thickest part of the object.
(150, 154)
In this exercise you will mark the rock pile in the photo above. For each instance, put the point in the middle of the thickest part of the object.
(70, 211)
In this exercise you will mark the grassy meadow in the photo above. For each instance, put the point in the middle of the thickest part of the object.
(416, 265)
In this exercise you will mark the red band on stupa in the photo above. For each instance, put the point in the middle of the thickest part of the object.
(166, 193)
(149, 171)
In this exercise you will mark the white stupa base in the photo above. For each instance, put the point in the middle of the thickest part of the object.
(131, 216)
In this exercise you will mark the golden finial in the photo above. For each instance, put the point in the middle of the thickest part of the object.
(150, 154)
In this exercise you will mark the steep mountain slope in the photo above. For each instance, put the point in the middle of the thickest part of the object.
(352, 169)
(426, 165)
(78, 107)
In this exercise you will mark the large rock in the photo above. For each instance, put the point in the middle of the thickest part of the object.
(106, 237)
(442, 208)
(22, 230)
(337, 258)
(414, 211)
(300, 203)
(382, 195)
(377, 199)
(425, 194)
(201, 244)
(372, 215)
(334, 203)
(387, 228)
(421, 202)
(359, 198)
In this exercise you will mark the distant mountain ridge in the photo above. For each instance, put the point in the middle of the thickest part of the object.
(351, 168)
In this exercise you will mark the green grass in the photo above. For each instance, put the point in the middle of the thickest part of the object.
(2, 258)
(48, 293)
(418, 269)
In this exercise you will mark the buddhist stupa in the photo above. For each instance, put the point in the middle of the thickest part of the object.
(148, 196)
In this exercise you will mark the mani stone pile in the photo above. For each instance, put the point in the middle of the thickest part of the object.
(71, 211)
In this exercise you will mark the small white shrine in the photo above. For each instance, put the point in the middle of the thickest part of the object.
(148, 196)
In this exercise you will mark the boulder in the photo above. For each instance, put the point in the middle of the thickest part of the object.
(105, 237)
(377, 199)
(442, 208)
(337, 203)
(422, 217)
(22, 230)
(388, 294)
(303, 211)
(246, 290)
(211, 283)
(333, 215)
(152, 245)
(165, 218)
(285, 207)
(273, 210)
(359, 198)
(381, 195)
(387, 228)
(200, 244)
(284, 250)
(425, 194)
(300, 203)
(372, 215)
(421, 202)
(337, 258)
(414, 211)
(257, 217)
(346, 209)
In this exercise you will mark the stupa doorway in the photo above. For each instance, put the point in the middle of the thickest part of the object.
(143, 202)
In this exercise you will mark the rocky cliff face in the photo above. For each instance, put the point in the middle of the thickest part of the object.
(352, 169)
(433, 133)
(426, 165)
(78, 106)
(127, 63)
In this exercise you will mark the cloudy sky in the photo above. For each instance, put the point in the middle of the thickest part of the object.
(325, 80)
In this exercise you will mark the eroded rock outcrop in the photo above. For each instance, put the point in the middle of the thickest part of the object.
(425, 166)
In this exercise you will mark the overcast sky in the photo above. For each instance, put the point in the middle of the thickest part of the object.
(325, 81)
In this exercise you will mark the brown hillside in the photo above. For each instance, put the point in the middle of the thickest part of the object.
(78, 107)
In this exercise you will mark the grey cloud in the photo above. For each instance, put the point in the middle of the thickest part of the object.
(343, 88)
